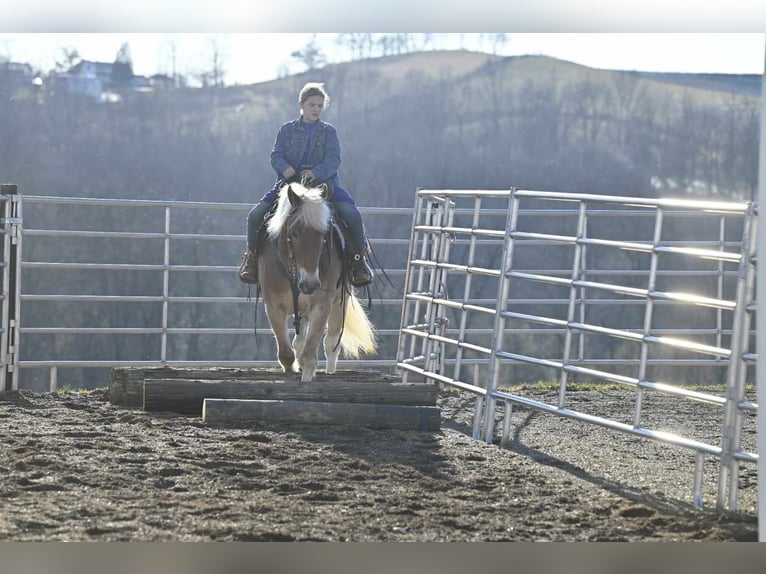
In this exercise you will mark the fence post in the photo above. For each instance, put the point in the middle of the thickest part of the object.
(503, 289)
(11, 223)
(760, 298)
(740, 332)
(165, 289)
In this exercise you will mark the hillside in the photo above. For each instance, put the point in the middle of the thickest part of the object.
(742, 84)
(467, 70)
(455, 119)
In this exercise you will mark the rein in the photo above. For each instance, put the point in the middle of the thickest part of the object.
(290, 272)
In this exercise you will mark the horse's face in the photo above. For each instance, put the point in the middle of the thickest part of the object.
(300, 223)
(305, 246)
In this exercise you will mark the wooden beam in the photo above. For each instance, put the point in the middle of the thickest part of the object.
(126, 386)
(413, 418)
(186, 396)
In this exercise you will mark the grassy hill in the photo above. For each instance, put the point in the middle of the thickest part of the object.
(393, 75)
(437, 118)
(741, 84)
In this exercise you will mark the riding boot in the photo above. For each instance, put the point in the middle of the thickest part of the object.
(361, 272)
(248, 270)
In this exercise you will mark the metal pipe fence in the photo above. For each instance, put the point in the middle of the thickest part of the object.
(655, 288)
(178, 242)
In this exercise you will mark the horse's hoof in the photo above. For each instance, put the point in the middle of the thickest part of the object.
(288, 364)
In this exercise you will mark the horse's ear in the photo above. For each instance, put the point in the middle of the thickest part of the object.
(327, 190)
(292, 196)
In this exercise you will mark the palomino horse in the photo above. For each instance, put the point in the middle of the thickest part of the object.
(301, 273)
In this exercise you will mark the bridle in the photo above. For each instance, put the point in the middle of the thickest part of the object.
(290, 270)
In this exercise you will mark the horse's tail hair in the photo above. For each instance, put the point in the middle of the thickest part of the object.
(358, 332)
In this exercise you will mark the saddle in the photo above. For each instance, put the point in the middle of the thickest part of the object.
(339, 230)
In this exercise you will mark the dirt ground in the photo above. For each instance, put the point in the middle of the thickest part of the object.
(76, 467)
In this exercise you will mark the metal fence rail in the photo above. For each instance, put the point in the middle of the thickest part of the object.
(178, 248)
(558, 323)
(169, 230)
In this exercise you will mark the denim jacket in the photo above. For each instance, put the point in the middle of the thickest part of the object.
(324, 156)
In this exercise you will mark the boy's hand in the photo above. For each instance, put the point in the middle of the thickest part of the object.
(288, 173)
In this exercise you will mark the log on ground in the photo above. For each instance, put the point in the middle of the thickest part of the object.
(186, 396)
(126, 386)
(402, 417)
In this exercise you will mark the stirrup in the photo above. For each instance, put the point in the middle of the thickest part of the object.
(361, 273)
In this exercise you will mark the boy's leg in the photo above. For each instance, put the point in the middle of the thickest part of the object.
(248, 269)
(361, 273)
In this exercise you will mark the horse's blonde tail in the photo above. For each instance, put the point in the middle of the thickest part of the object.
(358, 332)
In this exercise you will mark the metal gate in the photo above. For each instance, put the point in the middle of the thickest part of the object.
(577, 286)
(10, 264)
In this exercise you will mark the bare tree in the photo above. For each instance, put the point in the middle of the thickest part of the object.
(68, 59)
(629, 97)
(283, 71)
(386, 44)
(403, 43)
(217, 56)
(498, 41)
(311, 55)
(122, 68)
(587, 102)
(169, 59)
(360, 44)
(424, 40)
(748, 134)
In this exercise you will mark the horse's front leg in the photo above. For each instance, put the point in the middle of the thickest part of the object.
(299, 340)
(285, 353)
(317, 319)
(332, 339)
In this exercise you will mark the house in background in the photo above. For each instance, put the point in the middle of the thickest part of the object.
(107, 82)
(102, 81)
(162, 82)
(81, 85)
(102, 71)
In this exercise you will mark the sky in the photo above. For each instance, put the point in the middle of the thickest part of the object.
(250, 57)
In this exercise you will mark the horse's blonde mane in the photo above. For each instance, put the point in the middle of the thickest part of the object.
(313, 213)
